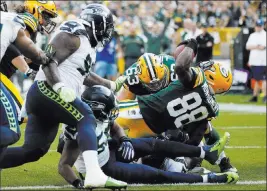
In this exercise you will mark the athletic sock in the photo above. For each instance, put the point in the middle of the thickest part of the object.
(202, 153)
(205, 178)
(94, 173)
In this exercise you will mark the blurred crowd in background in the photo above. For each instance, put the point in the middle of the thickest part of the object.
(158, 26)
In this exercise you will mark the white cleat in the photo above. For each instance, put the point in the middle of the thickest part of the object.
(110, 183)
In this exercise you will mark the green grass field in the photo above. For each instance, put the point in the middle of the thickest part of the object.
(247, 150)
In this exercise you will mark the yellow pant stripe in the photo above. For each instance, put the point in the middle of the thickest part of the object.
(12, 90)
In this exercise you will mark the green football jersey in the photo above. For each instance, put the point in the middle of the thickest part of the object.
(134, 85)
(177, 105)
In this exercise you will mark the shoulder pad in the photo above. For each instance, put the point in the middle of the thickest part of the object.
(18, 19)
(73, 27)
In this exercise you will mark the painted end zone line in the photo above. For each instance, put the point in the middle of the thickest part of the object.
(131, 185)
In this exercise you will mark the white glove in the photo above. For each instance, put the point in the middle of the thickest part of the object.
(117, 84)
(65, 93)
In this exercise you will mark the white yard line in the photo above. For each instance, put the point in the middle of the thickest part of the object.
(136, 185)
(245, 147)
(244, 108)
(241, 127)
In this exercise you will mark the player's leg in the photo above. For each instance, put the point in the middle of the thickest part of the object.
(139, 173)
(211, 137)
(77, 114)
(39, 135)
(9, 126)
(152, 146)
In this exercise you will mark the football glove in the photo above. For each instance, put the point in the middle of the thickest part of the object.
(126, 150)
(70, 133)
(117, 84)
(177, 135)
(205, 65)
(30, 73)
(192, 43)
(65, 93)
(78, 184)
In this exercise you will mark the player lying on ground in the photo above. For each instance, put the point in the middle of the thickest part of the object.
(52, 99)
(152, 73)
(115, 155)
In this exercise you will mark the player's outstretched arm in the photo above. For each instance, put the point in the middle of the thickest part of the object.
(69, 155)
(93, 79)
(184, 60)
(29, 49)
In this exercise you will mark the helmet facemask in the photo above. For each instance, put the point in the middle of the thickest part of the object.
(46, 23)
(156, 84)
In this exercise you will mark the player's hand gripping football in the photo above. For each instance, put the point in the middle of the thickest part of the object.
(65, 93)
(126, 150)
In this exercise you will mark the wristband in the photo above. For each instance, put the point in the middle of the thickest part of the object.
(124, 139)
(113, 86)
(57, 86)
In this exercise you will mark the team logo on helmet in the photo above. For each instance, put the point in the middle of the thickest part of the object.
(42, 2)
(224, 71)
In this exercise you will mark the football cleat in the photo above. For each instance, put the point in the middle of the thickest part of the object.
(111, 183)
(226, 166)
(226, 177)
(212, 152)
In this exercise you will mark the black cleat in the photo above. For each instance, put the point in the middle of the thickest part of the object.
(226, 166)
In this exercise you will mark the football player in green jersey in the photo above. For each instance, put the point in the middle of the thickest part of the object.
(149, 74)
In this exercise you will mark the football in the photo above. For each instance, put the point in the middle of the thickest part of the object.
(178, 51)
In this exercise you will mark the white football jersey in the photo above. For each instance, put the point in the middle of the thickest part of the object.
(102, 133)
(10, 25)
(74, 69)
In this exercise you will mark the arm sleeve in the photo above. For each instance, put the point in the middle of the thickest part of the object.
(12, 52)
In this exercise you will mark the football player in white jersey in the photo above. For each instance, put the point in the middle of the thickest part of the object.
(52, 99)
(114, 155)
(12, 31)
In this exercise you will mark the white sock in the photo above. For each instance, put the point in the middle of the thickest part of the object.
(222, 155)
(201, 144)
(93, 171)
(202, 153)
(205, 178)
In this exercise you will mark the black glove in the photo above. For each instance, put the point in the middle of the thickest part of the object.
(70, 133)
(30, 74)
(205, 65)
(177, 135)
(78, 184)
(126, 150)
(192, 43)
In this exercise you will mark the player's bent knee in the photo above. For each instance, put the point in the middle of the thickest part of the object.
(8, 137)
(35, 154)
